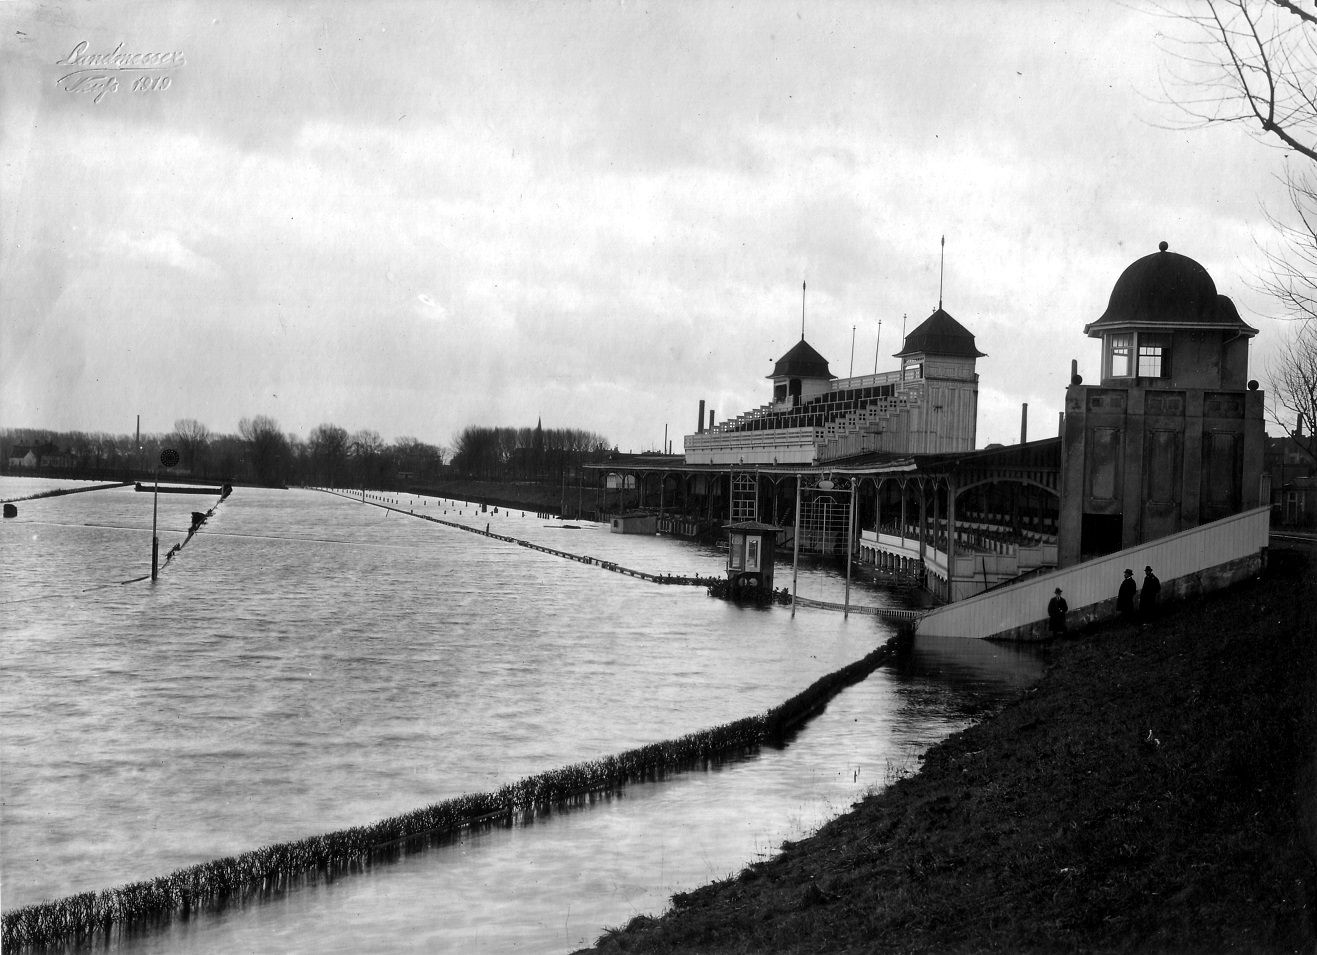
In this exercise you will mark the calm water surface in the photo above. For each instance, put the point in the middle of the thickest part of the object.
(309, 663)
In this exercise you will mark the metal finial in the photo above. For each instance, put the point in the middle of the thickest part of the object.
(941, 270)
(802, 311)
(1162, 245)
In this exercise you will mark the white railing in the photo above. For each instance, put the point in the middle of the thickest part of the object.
(782, 446)
(867, 381)
(1091, 586)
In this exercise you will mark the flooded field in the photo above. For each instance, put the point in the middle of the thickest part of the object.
(309, 662)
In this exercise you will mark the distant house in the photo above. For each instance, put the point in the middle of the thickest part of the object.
(1294, 503)
(40, 456)
(1293, 473)
(50, 456)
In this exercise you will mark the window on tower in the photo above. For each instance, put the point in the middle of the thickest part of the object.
(1154, 356)
(1141, 355)
(1120, 354)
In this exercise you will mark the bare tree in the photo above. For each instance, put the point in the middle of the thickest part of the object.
(1254, 62)
(193, 439)
(1251, 62)
(1293, 374)
(266, 446)
(328, 445)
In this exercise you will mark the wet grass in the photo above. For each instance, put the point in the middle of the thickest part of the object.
(1156, 792)
(211, 886)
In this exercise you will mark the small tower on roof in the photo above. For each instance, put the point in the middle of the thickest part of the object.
(800, 374)
(938, 358)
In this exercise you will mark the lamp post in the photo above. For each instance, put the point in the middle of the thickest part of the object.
(168, 458)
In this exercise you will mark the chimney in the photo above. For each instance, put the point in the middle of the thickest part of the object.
(1060, 424)
(1024, 422)
(700, 425)
(710, 419)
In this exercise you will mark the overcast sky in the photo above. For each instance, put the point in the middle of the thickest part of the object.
(413, 217)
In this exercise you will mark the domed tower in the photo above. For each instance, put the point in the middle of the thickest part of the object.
(1172, 437)
(1166, 325)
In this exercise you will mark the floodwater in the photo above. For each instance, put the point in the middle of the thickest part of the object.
(309, 663)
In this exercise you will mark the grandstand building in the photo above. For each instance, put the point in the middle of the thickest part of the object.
(928, 406)
(1160, 462)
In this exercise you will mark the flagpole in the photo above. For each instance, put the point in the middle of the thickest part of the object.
(940, 271)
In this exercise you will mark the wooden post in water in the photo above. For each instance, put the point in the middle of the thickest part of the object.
(795, 547)
(850, 546)
(155, 541)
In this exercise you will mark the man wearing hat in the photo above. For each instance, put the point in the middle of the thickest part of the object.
(1125, 597)
(1056, 611)
(1152, 587)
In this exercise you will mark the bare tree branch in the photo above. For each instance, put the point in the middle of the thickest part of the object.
(1295, 9)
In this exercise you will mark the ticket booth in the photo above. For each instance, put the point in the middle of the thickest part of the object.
(751, 549)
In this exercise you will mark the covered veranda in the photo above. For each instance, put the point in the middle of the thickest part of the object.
(957, 523)
(962, 523)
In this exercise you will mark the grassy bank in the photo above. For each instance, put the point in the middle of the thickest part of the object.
(1157, 791)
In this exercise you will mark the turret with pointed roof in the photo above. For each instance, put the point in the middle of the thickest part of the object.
(800, 374)
(941, 335)
(802, 362)
(938, 358)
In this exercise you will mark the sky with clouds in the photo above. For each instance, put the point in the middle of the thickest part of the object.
(414, 216)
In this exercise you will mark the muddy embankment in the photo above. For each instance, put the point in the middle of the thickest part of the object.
(1155, 792)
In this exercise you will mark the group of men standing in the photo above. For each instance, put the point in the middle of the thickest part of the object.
(1147, 597)
(1133, 605)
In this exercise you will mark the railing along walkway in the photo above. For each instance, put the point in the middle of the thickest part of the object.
(691, 581)
(886, 613)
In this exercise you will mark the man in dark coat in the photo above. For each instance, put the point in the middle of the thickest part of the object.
(1125, 597)
(1056, 611)
(1152, 588)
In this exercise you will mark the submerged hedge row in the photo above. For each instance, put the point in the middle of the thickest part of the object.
(212, 884)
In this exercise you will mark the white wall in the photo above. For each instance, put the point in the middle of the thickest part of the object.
(1095, 581)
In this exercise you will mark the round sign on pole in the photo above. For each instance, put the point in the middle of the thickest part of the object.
(168, 457)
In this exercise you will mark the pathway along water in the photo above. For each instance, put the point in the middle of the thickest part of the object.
(273, 685)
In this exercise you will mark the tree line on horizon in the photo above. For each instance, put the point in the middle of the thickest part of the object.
(261, 453)
(525, 453)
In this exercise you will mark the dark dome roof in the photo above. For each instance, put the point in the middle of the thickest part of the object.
(802, 362)
(1167, 288)
(940, 334)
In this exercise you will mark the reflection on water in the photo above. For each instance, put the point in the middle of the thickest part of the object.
(308, 663)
